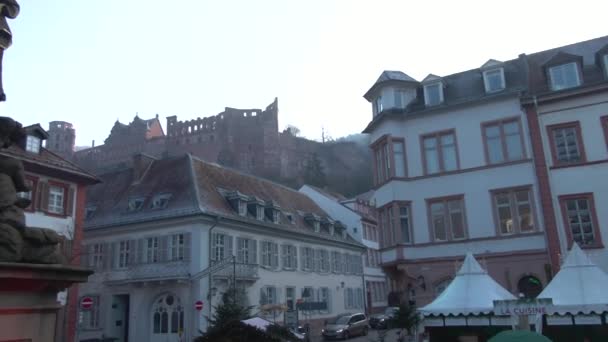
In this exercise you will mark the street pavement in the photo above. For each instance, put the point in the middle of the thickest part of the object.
(391, 336)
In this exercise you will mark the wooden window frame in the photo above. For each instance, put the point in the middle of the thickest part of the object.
(511, 191)
(449, 232)
(503, 141)
(382, 172)
(66, 190)
(598, 243)
(579, 139)
(437, 136)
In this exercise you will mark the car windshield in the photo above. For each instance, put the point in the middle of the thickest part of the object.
(341, 320)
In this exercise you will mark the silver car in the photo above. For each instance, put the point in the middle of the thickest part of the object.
(345, 326)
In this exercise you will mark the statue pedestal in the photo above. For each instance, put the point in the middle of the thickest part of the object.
(28, 299)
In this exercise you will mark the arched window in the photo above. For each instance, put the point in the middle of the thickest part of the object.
(529, 286)
(167, 315)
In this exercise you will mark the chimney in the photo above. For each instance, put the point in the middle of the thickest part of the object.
(141, 163)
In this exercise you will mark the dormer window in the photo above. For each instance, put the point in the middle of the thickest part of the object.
(135, 204)
(494, 80)
(564, 76)
(237, 200)
(290, 218)
(160, 201)
(317, 226)
(273, 211)
(89, 212)
(378, 107)
(242, 208)
(32, 144)
(256, 208)
(314, 220)
(605, 59)
(433, 94)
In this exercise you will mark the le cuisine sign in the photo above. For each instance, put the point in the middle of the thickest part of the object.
(519, 307)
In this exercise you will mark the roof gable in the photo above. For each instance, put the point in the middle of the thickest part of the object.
(561, 58)
(432, 78)
(387, 77)
(36, 130)
(491, 63)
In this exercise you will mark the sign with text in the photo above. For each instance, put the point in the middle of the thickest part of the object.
(521, 307)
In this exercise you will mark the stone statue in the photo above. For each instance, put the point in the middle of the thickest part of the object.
(8, 9)
(19, 243)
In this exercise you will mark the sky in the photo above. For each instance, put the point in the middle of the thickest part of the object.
(91, 62)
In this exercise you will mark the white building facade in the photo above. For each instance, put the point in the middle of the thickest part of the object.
(453, 173)
(163, 236)
(361, 224)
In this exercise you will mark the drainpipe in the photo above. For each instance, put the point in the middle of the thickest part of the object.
(363, 283)
(217, 221)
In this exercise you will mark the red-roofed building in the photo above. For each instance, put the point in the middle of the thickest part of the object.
(58, 202)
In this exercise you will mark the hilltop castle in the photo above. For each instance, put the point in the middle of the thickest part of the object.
(245, 139)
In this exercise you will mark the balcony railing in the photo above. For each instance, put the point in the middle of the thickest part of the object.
(170, 270)
(243, 272)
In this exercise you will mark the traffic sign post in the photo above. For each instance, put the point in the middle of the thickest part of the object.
(198, 305)
(86, 303)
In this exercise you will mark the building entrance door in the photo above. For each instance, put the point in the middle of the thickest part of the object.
(120, 318)
(167, 319)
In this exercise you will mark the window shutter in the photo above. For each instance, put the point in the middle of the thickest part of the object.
(108, 255)
(213, 246)
(132, 252)
(278, 295)
(284, 256)
(69, 208)
(43, 196)
(85, 258)
(164, 248)
(302, 258)
(228, 244)
(275, 256)
(254, 250)
(140, 251)
(262, 295)
(317, 260)
(295, 258)
(187, 248)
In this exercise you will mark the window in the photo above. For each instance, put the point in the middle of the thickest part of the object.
(336, 258)
(123, 254)
(440, 152)
(270, 254)
(323, 260)
(308, 294)
(378, 107)
(324, 297)
(56, 199)
(32, 144)
(29, 195)
(604, 121)
(580, 219)
(307, 258)
(89, 212)
(160, 201)
(349, 298)
(290, 257)
(503, 141)
(447, 219)
(290, 298)
(606, 64)
(268, 295)
(152, 250)
(494, 80)
(359, 299)
(433, 94)
(222, 246)
(399, 158)
(529, 286)
(177, 247)
(96, 256)
(564, 76)
(566, 143)
(246, 251)
(405, 225)
(135, 204)
(90, 317)
(276, 217)
(513, 210)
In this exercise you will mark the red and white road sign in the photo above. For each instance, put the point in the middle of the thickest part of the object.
(86, 303)
(198, 305)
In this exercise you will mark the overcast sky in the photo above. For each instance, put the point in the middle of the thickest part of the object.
(90, 62)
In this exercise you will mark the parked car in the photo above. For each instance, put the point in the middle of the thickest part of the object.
(346, 325)
(381, 320)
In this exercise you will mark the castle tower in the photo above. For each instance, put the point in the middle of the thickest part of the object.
(62, 138)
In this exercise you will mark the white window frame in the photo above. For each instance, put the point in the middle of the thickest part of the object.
(152, 248)
(290, 257)
(246, 250)
(378, 105)
(123, 254)
(486, 81)
(97, 255)
(439, 86)
(219, 246)
(90, 317)
(32, 144)
(56, 199)
(177, 247)
(555, 87)
(271, 295)
(160, 201)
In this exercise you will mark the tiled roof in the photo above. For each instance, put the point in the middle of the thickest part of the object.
(197, 187)
(212, 178)
(390, 76)
(48, 160)
(110, 198)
